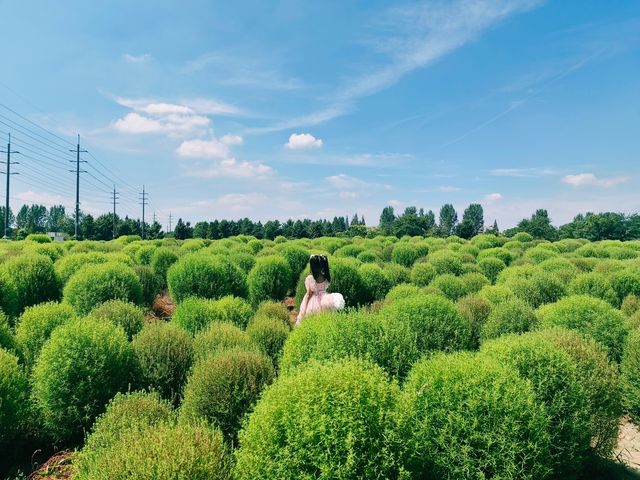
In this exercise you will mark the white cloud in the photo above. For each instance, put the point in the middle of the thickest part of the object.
(492, 197)
(521, 172)
(232, 168)
(229, 139)
(213, 148)
(130, 58)
(397, 204)
(589, 179)
(241, 202)
(345, 181)
(303, 140)
(447, 189)
(347, 195)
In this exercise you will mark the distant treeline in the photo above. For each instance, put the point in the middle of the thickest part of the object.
(412, 221)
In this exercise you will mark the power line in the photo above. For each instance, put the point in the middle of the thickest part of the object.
(8, 174)
(77, 171)
(143, 201)
(115, 202)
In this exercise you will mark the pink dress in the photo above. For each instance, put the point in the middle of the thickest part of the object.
(312, 304)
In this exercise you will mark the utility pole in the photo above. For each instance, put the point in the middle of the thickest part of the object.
(115, 202)
(77, 171)
(8, 173)
(154, 216)
(143, 201)
(169, 223)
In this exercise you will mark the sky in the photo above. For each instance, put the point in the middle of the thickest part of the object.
(307, 109)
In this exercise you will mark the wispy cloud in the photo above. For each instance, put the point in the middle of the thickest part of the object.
(142, 58)
(522, 172)
(589, 179)
(492, 197)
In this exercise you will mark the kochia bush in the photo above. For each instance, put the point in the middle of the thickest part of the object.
(374, 282)
(129, 316)
(34, 278)
(270, 279)
(511, 316)
(221, 336)
(630, 368)
(596, 285)
(406, 254)
(270, 334)
(14, 396)
(422, 274)
(194, 314)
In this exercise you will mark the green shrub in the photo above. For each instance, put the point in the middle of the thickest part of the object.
(255, 245)
(422, 274)
(406, 254)
(630, 305)
(205, 276)
(298, 259)
(124, 411)
(345, 279)
(596, 285)
(626, 282)
(556, 384)
(451, 286)
(382, 340)
(38, 238)
(404, 290)
(165, 451)
(374, 282)
(14, 396)
(323, 420)
(35, 325)
(273, 309)
(8, 295)
(397, 273)
(630, 378)
(218, 337)
(500, 253)
(511, 316)
(129, 316)
(463, 416)
(34, 278)
(523, 237)
(590, 316)
(434, 320)
(369, 256)
(245, 261)
(474, 281)
(599, 379)
(445, 261)
(51, 250)
(7, 340)
(95, 284)
(82, 366)
(70, 264)
(151, 284)
(161, 261)
(270, 334)
(165, 354)
(563, 268)
(349, 251)
(194, 314)
(270, 279)
(538, 288)
(224, 386)
(144, 254)
(474, 310)
(491, 267)
(496, 294)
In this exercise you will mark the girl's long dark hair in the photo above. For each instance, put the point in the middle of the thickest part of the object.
(320, 268)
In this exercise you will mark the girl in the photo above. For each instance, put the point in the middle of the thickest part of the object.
(317, 299)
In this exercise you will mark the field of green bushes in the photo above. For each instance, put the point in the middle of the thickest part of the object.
(497, 357)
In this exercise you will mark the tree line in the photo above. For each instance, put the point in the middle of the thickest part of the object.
(412, 221)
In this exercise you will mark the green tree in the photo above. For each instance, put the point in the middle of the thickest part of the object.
(448, 220)
(183, 230)
(539, 226)
(387, 220)
(472, 221)
(202, 230)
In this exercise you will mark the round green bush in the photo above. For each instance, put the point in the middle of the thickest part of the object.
(51, 250)
(510, 316)
(151, 284)
(599, 379)
(500, 253)
(194, 314)
(297, 258)
(451, 286)
(539, 254)
(406, 254)
(422, 274)
(630, 305)
(491, 267)
(124, 411)
(205, 276)
(345, 279)
(71, 263)
(82, 366)
(161, 261)
(630, 375)
(164, 451)
(474, 281)
(626, 282)
(270, 279)
(273, 309)
(34, 278)
(397, 273)
(434, 320)
(35, 325)
(96, 284)
(129, 316)
(556, 384)
(7, 340)
(165, 354)
(382, 340)
(590, 316)
(327, 420)
(474, 310)
(369, 256)
(446, 261)
(270, 334)
(563, 268)
(403, 290)
(218, 337)
(8, 295)
(496, 293)
(596, 285)
(245, 261)
(224, 386)
(144, 254)
(255, 245)
(14, 396)
(463, 416)
(523, 237)
(38, 238)
(375, 283)
(538, 288)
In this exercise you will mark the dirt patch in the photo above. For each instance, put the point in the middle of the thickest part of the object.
(163, 306)
(628, 450)
(58, 467)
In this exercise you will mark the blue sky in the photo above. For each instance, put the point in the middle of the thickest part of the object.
(289, 109)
